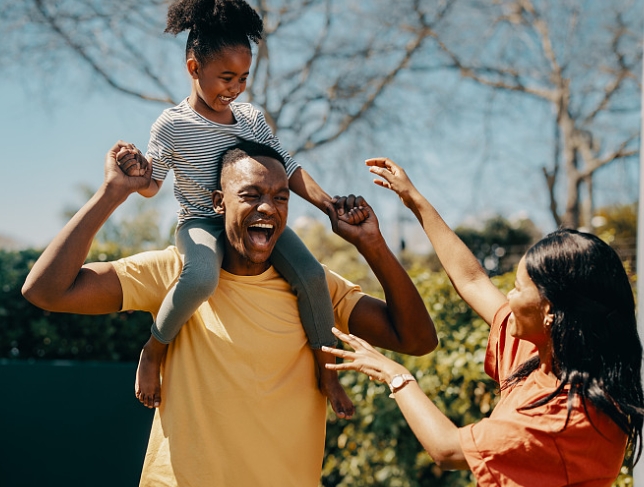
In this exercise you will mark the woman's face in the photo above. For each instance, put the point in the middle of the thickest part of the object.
(529, 309)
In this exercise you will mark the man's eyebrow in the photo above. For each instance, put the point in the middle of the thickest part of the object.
(256, 187)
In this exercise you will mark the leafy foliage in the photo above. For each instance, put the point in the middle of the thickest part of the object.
(617, 226)
(29, 332)
(499, 244)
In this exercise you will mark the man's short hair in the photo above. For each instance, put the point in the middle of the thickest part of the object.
(244, 149)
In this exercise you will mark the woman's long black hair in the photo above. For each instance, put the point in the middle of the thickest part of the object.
(596, 350)
(214, 25)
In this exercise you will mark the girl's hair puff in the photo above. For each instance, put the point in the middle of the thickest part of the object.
(214, 25)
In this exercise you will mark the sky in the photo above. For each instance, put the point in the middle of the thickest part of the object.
(52, 147)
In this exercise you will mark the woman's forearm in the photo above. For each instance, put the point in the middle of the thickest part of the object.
(438, 435)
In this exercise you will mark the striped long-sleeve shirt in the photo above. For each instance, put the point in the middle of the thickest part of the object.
(183, 141)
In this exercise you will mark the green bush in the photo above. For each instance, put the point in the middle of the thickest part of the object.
(377, 447)
(31, 333)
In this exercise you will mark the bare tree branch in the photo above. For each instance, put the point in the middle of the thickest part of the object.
(52, 22)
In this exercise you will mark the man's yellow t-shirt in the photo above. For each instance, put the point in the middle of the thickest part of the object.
(241, 406)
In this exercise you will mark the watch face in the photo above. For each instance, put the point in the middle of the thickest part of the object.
(397, 381)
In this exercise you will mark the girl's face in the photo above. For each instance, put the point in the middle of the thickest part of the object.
(218, 82)
(529, 309)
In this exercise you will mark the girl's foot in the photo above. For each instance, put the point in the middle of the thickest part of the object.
(331, 388)
(147, 387)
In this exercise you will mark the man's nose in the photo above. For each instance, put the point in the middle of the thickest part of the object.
(266, 206)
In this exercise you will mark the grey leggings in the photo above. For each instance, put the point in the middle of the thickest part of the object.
(198, 242)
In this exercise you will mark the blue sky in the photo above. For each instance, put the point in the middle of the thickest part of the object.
(54, 144)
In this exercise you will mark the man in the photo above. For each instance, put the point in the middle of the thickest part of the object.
(241, 406)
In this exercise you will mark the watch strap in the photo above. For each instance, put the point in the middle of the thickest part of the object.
(406, 378)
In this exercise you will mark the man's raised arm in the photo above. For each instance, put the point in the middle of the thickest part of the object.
(401, 322)
(59, 281)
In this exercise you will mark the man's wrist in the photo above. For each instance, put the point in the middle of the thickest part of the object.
(113, 194)
(373, 247)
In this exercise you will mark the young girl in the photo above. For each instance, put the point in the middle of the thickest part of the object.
(189, 139)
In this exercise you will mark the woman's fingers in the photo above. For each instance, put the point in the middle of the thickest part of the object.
(352, 340)
(377, 161)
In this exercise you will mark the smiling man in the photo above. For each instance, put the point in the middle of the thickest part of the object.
(242, 403)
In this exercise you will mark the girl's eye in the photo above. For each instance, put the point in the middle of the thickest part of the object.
(243, 80)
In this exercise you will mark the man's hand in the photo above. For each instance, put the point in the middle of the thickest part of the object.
(126, 168)
(354, 220)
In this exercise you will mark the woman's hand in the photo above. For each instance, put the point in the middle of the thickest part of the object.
(364, 358)
(393, 177)
(438, 435)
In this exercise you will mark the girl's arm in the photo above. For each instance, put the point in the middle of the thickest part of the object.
(464, 270)
(152, 189)
(302, 184)
(438, 435)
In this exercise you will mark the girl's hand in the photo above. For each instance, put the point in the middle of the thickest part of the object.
(116, 176)
(393, 177)
(131, 161)
(350, 209)
(364, 358)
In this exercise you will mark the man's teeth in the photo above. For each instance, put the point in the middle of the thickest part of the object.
(261, 225)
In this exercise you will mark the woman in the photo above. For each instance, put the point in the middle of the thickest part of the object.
(563, 345)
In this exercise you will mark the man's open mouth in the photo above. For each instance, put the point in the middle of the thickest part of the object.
(261, 233)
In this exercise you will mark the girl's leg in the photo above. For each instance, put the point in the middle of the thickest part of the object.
(197, 242)
(306, 276)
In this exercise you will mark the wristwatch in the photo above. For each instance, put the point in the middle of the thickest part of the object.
(399, 381)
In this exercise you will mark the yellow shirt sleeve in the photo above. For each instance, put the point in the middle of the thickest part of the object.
(147, 277)
(344, 295)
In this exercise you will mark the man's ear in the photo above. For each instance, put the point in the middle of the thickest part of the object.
(218, 202)
(193, 67)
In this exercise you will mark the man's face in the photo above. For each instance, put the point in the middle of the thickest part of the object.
(254, 202)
